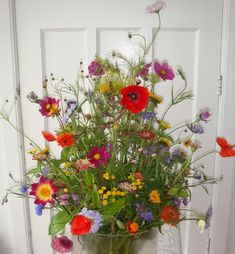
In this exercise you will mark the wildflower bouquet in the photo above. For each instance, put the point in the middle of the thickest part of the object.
(121, 170)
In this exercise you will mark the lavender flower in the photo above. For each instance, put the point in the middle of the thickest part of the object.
(204, 115)
(147, 115)
(64, 199)
(75, 198)
(177, 202)
(185, 201)
(45, 171)
(39, 209)
(95, 217)
(24, 189)
(196, 128)
(143, 213)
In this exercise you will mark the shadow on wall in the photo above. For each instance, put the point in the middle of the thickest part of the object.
(4, 248)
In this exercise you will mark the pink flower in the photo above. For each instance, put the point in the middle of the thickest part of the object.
(64, 199)
(82, 164)
(49, 107)
(156, 7)
(145, 71)
(164, 71)
(98, 156)
(95, 69)
(62, 244)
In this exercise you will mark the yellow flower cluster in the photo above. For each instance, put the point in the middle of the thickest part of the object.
(108, 177)
(154, 197)
(135, 182)
(158, 99)
(110, 195)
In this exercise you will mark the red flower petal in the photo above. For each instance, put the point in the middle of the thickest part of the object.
(48, 136)
(80, 225)
(65, 139)
(170, 215)
(226, 148)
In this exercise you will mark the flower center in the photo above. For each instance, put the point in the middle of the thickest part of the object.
(163, 72)
(48, 106)
(133, 96)
(97, 156)
(44, 192)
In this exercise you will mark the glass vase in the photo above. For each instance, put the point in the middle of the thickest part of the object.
(117, 244)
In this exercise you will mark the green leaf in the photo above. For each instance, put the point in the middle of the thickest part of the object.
(34, 171)
(120, 224)
(58, 222)
(114, 208)
(89, 178)
(95, 198)
(173, 191)
(65, 153)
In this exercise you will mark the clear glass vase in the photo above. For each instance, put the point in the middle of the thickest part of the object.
(116, 244)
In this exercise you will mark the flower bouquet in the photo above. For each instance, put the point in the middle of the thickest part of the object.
(122, 170)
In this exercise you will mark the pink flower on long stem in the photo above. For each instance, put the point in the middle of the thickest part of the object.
(164, 71)
(62, 244)
(82, 164)
(44, 191)
(98, 157)
(95, 69)
(145, 71)
(156, 7)
(49, 107)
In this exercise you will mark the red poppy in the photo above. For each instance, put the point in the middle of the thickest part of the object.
(147, 135)
(65, 139)
(80, 225)
(134, 98)
(170, 215)
(132, 227)
(48, 136)
(226, 148)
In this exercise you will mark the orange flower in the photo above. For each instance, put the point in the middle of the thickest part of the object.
(48, 136)
(132, 227)
(170, 215)
(226, 148)
(65, 139)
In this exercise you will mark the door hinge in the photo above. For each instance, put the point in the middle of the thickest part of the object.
(18, 91)
(220, 83)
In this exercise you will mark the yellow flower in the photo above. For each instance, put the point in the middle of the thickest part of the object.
(104, 202)
(165, 125)
(100, 191)
(188, 143)
(65, 190)
(201, 224)
(167, 141)
(103, 188)
(116, 126)
(105, 196)
(32, 151)
(103, 88)
(154, 197)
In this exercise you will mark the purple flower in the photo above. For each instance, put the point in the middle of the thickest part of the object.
(49, 107)
(98, 157)
(208, 217)
(45, 171)
(95, 69)
(94, 216)
(24, 189)
(143, 213)
(185, 201)
(147, 115)
(179, 154)
(64, 199)
(62, 244)
(177, 202)
(75, 198)
(164, 71)
(145, 71)
(204, 115)
(39, 209)
(196, 128)
(156, 7)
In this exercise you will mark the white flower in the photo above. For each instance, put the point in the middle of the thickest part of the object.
(156, 7)
(201, 224)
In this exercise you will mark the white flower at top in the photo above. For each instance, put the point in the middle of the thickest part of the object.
(156, 7)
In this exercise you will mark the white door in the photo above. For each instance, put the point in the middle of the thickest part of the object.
(54, 36)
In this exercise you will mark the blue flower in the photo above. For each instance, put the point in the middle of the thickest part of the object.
(147, 115)
(143, 213)
(196, 128)
(45, 171)
(24, 189)
(39, 209)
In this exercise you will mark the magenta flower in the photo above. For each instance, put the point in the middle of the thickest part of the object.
(145, 71)
(204, 114)
(156, 7)
(98, 157)
(95, 69)
(62, 244)
(49, 107)
(164, 71)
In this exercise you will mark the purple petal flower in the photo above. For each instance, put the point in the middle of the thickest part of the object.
(49, 107)
(145, 71)
(24, 189)
(62, 244)
(45, 171)
(95, 69)
(185, 201)
(204, 115)
(143, 213)
(98, 157)
(95, 217)
(197, 128)
(164, 71)
(64, 199)
(208, 217)
(147, 115)
(177, 202)
(39, 209)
